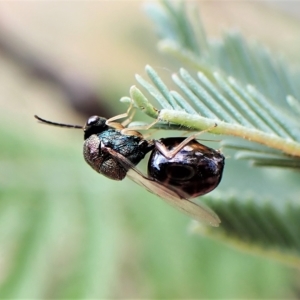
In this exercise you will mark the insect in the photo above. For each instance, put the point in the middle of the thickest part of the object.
(178, 168)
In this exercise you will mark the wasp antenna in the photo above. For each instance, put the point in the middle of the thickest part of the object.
(57, 124)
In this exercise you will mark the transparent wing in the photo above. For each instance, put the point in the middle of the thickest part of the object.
(199, 212)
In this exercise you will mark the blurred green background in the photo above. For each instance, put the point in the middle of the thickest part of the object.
(66, 231)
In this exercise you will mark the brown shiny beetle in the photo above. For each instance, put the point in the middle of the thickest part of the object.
(178, 169)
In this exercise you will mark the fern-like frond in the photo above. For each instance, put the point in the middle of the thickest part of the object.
(257, 227)
(261, 156)
(242, 87)
(252, 63)
(249, 93)
(236, 109)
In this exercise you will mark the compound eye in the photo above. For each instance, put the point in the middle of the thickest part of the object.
(94, 125)
(92, 120)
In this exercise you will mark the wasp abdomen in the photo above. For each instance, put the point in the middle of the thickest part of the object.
(195, 169)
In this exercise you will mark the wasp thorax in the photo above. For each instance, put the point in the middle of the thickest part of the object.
(195, 169)
(109, 151)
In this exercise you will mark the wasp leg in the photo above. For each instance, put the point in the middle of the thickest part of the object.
(134, 130)
(170, 154)
(129, 116)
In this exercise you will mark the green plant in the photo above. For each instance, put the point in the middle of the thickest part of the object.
(252, 95)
